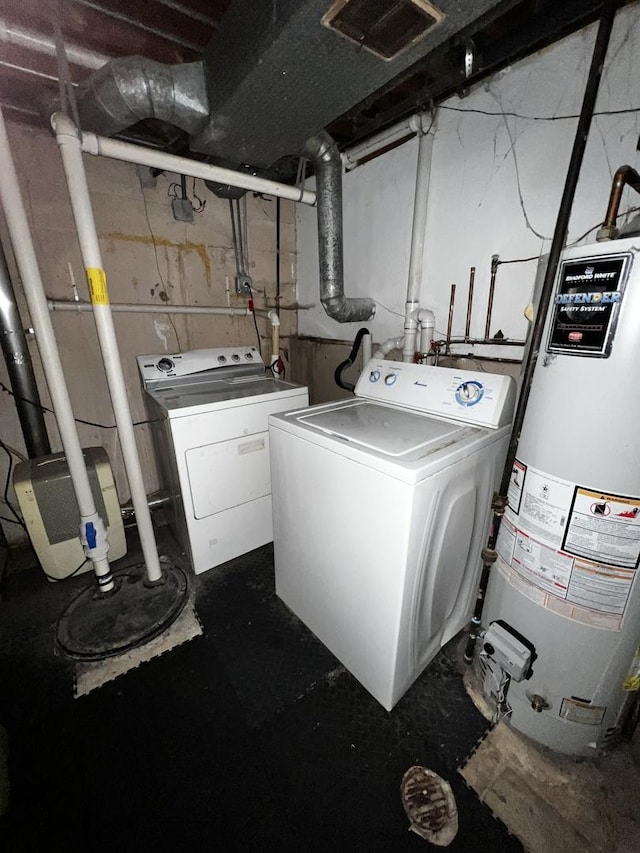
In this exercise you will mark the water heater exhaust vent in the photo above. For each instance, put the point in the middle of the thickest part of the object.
(384, 27)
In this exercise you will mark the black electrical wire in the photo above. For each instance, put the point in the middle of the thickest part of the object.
(7, 483)
(70, 575)
(340, 382)
(506, 113)
(77, 420)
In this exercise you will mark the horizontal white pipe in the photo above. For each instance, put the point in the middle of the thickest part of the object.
(71, 152)
(153, 308)
(353, 155)
(39, 43)
(24, 250)
(100, 146)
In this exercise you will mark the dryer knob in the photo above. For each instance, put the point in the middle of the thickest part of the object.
(390, 378)
(374, 376)
(165, 364)
(248, 356)
(235, 357)
(222, 359)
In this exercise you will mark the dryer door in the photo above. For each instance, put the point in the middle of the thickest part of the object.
(228, 473)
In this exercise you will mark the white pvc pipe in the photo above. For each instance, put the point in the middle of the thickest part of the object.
(116, 150)
(152, 308)
(418, 233)
(367, 344)
(18, 225)
(427, 321)
(388, 346)
(274, 319)
(71, 151)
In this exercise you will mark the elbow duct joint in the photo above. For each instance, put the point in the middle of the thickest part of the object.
(132, 88)
(324, 154)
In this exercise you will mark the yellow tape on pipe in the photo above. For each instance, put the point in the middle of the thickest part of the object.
(97, 286)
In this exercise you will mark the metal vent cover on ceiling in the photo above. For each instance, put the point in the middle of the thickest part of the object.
(384, 27)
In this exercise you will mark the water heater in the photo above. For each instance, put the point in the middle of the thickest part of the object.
(565, 581)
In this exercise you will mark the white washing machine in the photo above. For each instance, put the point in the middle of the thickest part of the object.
(381, 509)
(211, 408)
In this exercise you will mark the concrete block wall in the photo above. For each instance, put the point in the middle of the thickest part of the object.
(149, 258)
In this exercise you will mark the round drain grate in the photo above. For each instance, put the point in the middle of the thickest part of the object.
(430, 805)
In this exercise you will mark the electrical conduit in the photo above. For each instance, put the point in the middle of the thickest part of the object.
(92, 530)
(70, 146)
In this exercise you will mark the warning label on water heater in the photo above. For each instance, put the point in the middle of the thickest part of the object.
(604, 527)
(571, 549)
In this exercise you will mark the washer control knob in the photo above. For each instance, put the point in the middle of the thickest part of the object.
(165, 364)
(469, 393)
(248, 356)
(222, 359)
(235, 357)
(390, 378)
(374, 376)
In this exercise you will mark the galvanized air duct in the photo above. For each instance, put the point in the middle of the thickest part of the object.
(133, 88)
(327, 165)
(20, 369)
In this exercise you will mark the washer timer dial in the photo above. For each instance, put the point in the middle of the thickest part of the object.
(469, 393)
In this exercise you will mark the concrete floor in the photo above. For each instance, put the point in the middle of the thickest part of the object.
(251, 736)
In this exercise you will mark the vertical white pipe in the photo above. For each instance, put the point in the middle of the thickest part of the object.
(71, 150)
(18, 225)
(367, 345)
(418, 233)
(274, 319)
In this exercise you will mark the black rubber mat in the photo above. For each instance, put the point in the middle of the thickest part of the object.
(268, 655)
(339, 740)
(248, 738)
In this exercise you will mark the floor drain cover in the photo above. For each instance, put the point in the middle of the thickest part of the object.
(430, 806)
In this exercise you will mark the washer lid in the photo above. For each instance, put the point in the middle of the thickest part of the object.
(391, 431)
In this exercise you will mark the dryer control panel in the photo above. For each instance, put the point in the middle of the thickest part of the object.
(479, 399)
(216, 362)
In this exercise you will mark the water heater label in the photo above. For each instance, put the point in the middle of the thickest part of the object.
(604, 527)
(570, 549)
(586, 305)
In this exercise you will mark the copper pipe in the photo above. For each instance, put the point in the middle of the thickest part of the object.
(467, 328)
(495, 262)
(624, 176)
(450, 323)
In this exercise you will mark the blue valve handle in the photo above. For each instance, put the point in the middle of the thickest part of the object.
(90, 533)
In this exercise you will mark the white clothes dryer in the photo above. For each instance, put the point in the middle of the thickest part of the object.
(211, 410)
(381, 508)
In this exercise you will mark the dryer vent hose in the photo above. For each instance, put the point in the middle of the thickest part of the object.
(355, 349)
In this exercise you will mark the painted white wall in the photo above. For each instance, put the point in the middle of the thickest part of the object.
(496, 183)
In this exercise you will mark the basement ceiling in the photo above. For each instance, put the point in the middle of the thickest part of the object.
(173, 31)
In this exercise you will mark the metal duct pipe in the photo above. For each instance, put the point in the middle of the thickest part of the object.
(133, 88)
(327, 164)
(20, 369)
